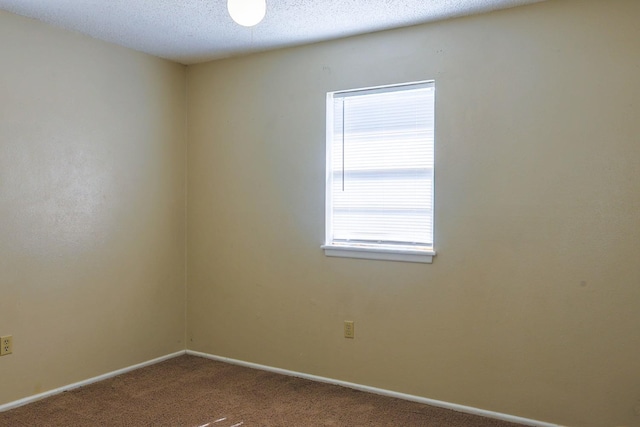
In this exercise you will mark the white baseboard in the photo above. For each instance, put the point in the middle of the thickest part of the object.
(375, 390)
(59, 390)
(380, 391)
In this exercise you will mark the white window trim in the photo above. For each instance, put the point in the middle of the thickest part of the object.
(424, 256)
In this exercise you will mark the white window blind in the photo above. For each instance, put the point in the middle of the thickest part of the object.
(380, 160)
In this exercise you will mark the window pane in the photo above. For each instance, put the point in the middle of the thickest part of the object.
(381, 166)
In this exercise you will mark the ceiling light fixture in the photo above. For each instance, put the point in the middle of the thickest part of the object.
(247, 12)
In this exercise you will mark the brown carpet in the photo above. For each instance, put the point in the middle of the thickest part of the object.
(193, 391)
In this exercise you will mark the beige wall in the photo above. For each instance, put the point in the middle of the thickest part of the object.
(530, 308)
(92, 207)
(532, 305)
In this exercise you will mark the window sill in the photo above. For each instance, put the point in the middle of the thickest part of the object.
(379, 253)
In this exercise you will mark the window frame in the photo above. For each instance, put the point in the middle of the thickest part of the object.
(370, 250)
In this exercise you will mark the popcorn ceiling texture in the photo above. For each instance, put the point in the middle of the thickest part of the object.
(192, 31)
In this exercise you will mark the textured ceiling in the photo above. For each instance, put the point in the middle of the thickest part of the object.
(191, 31)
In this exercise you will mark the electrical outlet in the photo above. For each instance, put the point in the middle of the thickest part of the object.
(349, 331)
(7, 345)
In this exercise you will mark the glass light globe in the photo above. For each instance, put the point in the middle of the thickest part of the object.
(247, 12)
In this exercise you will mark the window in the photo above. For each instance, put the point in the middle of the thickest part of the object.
(380, 144)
